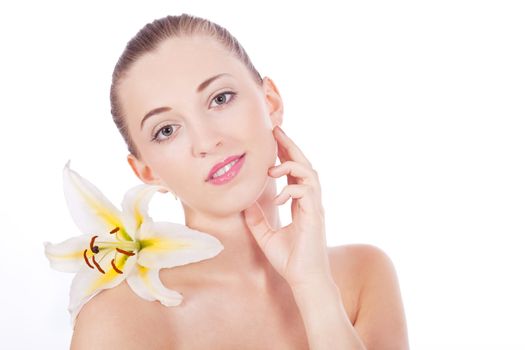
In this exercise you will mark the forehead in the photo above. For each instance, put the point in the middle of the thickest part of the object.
(176, 54)
(175, 68)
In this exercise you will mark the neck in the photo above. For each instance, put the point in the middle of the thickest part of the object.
(242, 259)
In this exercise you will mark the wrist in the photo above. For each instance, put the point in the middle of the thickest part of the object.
(322, 288)
(326, 321)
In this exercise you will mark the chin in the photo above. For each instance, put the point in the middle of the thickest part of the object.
(251, 185)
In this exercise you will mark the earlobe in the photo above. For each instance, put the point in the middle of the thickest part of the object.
(142, 171)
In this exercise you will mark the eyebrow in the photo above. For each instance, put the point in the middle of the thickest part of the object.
(200, 88)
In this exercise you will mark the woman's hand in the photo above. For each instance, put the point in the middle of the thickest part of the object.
(297, 251)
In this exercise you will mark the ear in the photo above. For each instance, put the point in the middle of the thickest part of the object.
(274, 101)
(143, 171)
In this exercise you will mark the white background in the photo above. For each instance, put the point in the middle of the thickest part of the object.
(412, 112)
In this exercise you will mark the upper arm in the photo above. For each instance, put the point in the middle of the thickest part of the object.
(100, 325)
(94, 328)
(380, 320)
(111, 320)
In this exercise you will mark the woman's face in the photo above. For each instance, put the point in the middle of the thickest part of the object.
(200, 126)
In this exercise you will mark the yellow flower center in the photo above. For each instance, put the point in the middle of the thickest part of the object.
(122, 246)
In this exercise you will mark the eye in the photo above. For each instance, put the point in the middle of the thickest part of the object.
(165, 131)
(221, 98)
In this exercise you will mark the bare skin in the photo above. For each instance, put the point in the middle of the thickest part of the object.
(245, 314)
(244, 298)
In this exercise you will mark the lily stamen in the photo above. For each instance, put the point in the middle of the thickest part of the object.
(129, 245)
(97, 265)
(122, 237)
(102, 245)
(115, 267)
(91, 244)
(125, 252)
(86, 259)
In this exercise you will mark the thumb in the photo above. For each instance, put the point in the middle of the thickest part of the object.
(257, 223)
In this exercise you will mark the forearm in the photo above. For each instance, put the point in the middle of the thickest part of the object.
(324, 316)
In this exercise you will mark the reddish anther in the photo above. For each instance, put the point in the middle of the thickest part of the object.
(87, 261)
(115, 267)
(125, 252)
(115, 230)
(96, 264)
(91, 244)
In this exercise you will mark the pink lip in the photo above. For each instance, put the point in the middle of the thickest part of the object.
(221, 164)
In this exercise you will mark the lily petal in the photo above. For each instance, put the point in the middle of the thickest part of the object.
(67, 256)
(92, 212)
(146, 283)
(89, 282)
(135, 206)
(166, 244)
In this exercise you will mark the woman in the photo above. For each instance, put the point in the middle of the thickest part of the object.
(187, 100)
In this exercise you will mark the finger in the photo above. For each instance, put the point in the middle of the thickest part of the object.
(300, 171)
(302, 193)
(289, 151)
(258, 225)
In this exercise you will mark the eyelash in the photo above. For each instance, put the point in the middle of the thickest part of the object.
(156, 134)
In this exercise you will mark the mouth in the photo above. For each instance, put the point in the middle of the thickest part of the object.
(222, 167)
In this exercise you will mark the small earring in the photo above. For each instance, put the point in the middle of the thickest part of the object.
(162, 189)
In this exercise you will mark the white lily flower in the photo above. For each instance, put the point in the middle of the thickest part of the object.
(122, 245)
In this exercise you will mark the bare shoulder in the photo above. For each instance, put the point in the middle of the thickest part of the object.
(355, 261)
(117, 318)
(368, 275)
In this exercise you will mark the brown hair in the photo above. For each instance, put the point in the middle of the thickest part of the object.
(150, 37)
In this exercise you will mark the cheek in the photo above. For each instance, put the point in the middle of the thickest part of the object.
(273, 149)
(170, 168)
(266, 148)
(259, 137)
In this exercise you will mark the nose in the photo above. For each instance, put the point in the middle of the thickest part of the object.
(204, 140)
